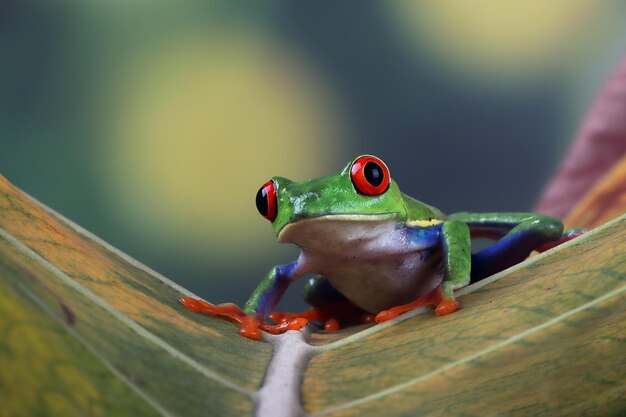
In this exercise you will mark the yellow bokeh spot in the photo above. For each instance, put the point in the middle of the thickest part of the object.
(202, 123)
(506, 39)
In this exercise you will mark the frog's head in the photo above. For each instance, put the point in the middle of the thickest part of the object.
(362, 191)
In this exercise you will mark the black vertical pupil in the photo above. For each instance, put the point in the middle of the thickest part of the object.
(373, 173)
(261, 201)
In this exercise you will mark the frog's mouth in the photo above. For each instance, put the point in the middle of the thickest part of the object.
(333, 227)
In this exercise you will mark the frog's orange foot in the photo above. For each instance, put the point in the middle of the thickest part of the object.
(330, 324)
(331, 317)
(250, 325)
(279, 317)
(436, 298)
(295, 323)
(201, 306)
(394, 312)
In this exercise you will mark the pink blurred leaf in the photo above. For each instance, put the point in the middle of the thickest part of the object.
(598, 145)
(604, 202)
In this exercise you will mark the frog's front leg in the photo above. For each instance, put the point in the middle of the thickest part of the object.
(456, 248)
(268, 294)
(453, 240)
(261, 302)
(270, 291)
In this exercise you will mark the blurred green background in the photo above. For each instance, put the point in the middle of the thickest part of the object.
(153, 124)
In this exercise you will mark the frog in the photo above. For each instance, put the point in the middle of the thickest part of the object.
(373, 253)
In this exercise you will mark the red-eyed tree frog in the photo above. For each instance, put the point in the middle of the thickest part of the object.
(376, 252)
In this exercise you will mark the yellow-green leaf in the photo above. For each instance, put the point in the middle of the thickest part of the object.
(126, 318)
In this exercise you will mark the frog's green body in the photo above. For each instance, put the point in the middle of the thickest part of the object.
(380, 248)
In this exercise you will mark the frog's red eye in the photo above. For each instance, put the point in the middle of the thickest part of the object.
(266, 201)
(369, 175)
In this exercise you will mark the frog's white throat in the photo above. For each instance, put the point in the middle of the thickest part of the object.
(334, 232)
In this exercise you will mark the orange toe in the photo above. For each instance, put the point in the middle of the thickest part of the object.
(332, 325)
(279, 317)
(385, 315)
(250, 328)
(195, 305)
(446, 307)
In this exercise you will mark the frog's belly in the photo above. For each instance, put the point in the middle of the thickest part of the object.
(371, 261)
(380, 283)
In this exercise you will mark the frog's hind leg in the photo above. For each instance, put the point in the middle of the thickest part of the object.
(330, 308)
(319, 293)
(517, 235)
